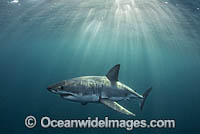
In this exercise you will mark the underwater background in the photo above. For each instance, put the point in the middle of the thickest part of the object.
(46, 41)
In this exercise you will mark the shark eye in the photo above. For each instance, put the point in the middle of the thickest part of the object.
(61, 87)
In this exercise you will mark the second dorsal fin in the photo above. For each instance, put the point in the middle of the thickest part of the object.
(112, 75)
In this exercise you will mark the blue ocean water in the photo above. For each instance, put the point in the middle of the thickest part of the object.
(45, 41)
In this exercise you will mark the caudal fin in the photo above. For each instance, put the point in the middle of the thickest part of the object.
(146, 93)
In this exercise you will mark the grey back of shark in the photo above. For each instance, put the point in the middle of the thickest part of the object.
(107, 90)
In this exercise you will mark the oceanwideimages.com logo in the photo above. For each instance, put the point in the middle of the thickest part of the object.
(47, 122)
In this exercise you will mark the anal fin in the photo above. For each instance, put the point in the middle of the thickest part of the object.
(115, 106)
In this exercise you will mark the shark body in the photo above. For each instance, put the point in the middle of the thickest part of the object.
(107, 90)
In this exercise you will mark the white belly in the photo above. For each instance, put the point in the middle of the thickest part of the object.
(86, 98)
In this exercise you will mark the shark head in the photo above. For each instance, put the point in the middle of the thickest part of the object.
(66, 89)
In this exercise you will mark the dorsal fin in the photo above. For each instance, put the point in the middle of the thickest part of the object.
(112, 75)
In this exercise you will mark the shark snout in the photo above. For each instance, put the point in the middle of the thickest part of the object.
(50, 89)
(55, 88)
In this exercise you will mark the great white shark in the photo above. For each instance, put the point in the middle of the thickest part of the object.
(107, 90)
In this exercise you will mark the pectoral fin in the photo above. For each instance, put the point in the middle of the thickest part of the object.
(114, 105)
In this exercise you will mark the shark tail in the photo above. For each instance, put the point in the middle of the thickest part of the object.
(145, 95)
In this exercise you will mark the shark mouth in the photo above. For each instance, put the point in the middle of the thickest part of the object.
(66, 94)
